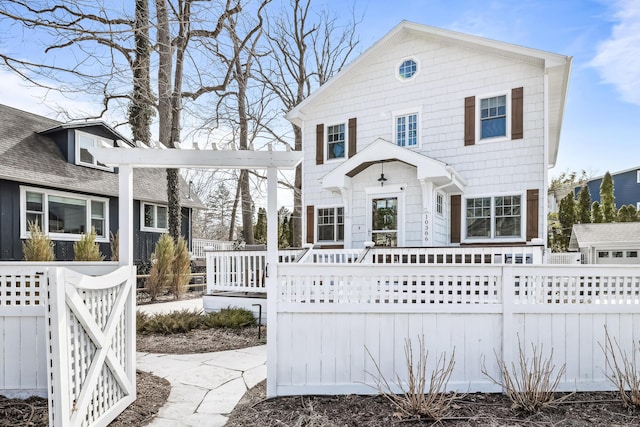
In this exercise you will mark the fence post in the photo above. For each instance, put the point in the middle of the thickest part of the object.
(508, 293)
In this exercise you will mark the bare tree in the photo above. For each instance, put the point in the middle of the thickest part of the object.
(306, 52)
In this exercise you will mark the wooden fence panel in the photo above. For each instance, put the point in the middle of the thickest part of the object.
(92, 332)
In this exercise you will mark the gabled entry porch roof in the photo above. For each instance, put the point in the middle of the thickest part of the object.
(427, 169)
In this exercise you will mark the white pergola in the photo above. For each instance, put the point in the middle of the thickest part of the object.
(126, 159)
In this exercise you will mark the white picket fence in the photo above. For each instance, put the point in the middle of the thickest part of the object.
(199, 247)
(334, 322)
(69, 336)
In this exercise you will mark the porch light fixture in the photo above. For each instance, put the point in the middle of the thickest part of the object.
(382, 179)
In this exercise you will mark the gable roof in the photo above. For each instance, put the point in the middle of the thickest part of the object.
(384, 151)
(28, 155)
(609, 235)
(557, 68)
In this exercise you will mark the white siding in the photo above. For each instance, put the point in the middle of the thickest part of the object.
(447, 74)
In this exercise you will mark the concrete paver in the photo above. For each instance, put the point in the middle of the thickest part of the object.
(205, 387)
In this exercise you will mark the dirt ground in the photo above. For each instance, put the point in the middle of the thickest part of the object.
(580, 409)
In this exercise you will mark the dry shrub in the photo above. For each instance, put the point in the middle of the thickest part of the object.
(160, 276)
(114, 244)
(181, 269)
(422, 395)
(624, 373)
(37, 247)
(530, 385)
(86, 249)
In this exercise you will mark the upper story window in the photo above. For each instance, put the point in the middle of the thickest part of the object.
(84, 141)
(407, 69)
(63, 216)
(494, 217)
(638, 176)
(493, 117)
(335, 142)
(407, 130)
(154, 218)
(331, 224)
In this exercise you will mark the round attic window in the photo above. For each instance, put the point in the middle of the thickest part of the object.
(407, 69)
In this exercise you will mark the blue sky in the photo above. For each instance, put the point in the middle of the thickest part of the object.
(601, 129)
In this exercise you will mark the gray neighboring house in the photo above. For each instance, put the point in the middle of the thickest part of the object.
(611, 243)
(48, 175)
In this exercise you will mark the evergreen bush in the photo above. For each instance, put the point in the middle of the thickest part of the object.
(86, 249)
(37, 247)
(181, 269)
(160, 276)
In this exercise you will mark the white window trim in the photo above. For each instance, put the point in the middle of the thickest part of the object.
(317, 223)
(638, 176)
(441, 195)
(24, 232)
(396, 69)
(346, 141)
(507, 137)
(153, 229)
(523, 218)
(405, 112)
(97, 139)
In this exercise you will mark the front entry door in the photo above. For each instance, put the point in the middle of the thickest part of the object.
(384, 218)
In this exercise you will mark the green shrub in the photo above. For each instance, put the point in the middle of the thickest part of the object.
(38, 247)
(86, 249)
(230, 318)
(179, 322)
(181, 269)
(162, 264)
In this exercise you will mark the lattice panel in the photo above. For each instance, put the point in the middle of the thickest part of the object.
(577, 289)
(95, 377)
(22, 289)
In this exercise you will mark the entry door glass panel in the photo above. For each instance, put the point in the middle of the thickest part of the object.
(384, 216)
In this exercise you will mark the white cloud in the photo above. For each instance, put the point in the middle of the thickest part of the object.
(618, 58)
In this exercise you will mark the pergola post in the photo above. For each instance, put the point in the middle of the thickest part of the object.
(272, 277)
(125, 215)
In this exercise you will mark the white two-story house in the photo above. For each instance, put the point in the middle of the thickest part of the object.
(432, 138)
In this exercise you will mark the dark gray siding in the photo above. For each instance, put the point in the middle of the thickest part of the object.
(11, 244)
(626, 188)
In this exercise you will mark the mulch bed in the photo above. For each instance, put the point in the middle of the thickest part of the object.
(580, 409)
(152, 393)
(201, 341)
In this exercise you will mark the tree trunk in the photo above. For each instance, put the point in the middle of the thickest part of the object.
(140, 108)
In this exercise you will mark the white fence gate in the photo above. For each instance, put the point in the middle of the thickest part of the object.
(91, 323)
(331, 317)
(69, 337)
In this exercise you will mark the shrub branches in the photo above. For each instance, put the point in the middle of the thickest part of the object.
(530, 385)
(624, 373)
(422, 395)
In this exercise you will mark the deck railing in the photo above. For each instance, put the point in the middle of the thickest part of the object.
(242, 271)
(462, 255)
(200, 246)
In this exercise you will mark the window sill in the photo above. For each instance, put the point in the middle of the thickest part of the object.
(66, 238)
(154, 230)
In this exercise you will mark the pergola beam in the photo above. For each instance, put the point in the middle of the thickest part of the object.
(200, 159)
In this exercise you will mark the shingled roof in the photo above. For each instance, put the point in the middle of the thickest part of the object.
(29, 156)
(618, 234)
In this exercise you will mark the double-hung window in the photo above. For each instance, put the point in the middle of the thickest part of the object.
(335, 142)
(63, 216)
(154, 218)
(493, 117)
(84, 141)
(439, 204)
(407, 130)
(330, 224)
(494, 217)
